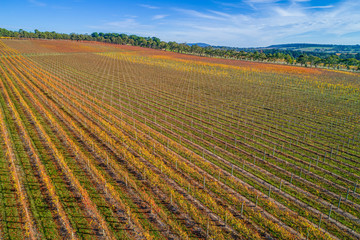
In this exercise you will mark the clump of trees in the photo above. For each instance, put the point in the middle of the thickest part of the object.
(343, 61)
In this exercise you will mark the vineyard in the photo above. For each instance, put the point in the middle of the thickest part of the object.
(105, 141)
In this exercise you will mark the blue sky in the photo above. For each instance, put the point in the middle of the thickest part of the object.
(246, 23)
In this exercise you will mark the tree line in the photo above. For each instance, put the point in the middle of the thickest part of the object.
(335, 61)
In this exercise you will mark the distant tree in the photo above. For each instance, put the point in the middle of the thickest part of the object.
(357, 56)
(289, 59)
(173, 45)
(156, 41)
(302, 59)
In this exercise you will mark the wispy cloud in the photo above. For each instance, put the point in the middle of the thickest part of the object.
(148, 6)
(261, 1)
(37, 3)
(248, 23)
(279, 22)
(157, 17)
(197, 14)
(289, 12)
(220, 13)
(320, 7)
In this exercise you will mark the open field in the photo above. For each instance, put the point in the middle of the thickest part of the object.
(101, 141)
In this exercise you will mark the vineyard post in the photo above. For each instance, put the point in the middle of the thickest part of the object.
(317, 160)
(232, 169)
(243, 166)
(219, 175)
(330, 211)
(347, 194)
(339, 201)
(320, 221)
(274, 151)
(280, 184)
(291, 178)
(257, 198)
(204, 182)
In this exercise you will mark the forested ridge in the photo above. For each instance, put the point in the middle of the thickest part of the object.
(339, 61)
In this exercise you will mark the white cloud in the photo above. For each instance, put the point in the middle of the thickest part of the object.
(319, 7)
(294, 21)
(157, 17)
(198, 14)
(220, 13)
(289, 12)
(273, 22)
(148, 6)
(261, 1)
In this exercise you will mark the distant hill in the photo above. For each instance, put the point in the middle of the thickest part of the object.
(301, 47)
(199, 44)
(319, 48)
